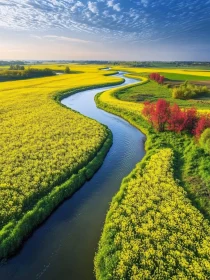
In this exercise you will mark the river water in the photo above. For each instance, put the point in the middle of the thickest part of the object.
(65, 245)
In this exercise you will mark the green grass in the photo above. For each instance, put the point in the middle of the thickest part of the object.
(182, 77)
(151, 91)
(177, 76)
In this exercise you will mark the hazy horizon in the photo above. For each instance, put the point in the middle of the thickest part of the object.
(143, 30)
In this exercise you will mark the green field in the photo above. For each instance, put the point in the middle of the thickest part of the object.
(151, 91)
(186, 77)
(51, 151)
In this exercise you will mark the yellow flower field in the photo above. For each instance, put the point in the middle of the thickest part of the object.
(43, 143)
(152, 231)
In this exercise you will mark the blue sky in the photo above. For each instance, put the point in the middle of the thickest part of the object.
(105, 29)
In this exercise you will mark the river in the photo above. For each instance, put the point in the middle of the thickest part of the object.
(65, 245)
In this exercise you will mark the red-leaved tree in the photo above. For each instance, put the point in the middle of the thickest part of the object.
(202, 124)
(182, 120)
(191, 120)
(176, 120)
(163, 116)
(157, 113)
(157, 77)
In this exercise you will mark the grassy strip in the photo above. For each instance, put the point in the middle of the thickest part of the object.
(152, 231)
(184, 77)
(175, 73)
(151, 91)
(12, 235)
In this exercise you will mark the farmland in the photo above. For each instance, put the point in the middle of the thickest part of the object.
(151, 91)
(127, 102)
(173, 72)
(43, 145)
(190, 170)
(50, 151)
(152, 231)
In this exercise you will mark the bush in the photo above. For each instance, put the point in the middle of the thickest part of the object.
(180, 93)
(16, 67)
(205, 140)
(158, 113)
(202, 124)
(187, 91)
(157, 77)
(163, 117)
(67, 70)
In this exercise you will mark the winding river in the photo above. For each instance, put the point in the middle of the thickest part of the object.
(65, 245)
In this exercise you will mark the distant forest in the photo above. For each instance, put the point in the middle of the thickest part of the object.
(15, 62)
(18, 72)
(171, 64)
(165, 64)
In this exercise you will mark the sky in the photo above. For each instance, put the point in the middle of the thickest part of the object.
(105, 30)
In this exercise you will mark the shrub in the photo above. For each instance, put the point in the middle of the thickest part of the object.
(159, 113)
(202, 124)
(67, 70)
(205, 140)
(157, 77)
(187, 91)
(165, 117)
(16, 67)
(181, 120)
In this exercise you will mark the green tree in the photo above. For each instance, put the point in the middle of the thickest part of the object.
(67, 70)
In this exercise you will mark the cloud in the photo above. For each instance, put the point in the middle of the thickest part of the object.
(116, 7)
(36, 37)
(111, 4)
(92, 6)
(145, 3)
(69, 39)
(76, 6)
(109, 19)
